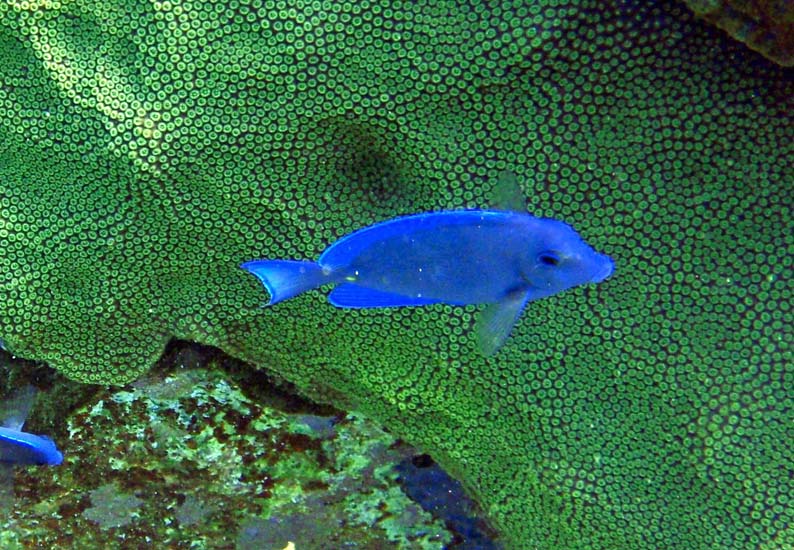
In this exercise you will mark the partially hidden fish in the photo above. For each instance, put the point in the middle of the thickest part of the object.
(502, 257)
(24, 448)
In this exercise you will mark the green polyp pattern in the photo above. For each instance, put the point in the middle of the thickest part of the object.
(147, 148)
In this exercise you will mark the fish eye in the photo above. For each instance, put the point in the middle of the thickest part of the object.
(549, 258)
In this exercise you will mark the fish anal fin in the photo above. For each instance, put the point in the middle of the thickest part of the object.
(350, 295)
(495, 322)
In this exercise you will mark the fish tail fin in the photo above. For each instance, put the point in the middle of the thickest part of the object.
(285, 279)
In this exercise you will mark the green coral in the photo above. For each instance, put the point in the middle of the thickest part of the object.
(147, 148)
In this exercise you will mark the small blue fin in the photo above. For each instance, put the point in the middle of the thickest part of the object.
(26, 448)
(349, 295)
(496, 321)
(285, 279)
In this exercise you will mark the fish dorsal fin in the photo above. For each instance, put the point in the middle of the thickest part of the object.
(339, 255)
(349, 295)
(496, 321)
(507, 194)
(14, 409)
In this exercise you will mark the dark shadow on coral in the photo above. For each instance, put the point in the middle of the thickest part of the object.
(372, 170)
(256, 384)
(430, 487)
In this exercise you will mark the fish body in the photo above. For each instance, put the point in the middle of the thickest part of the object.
(20, 447)
(497, 257)
(457, 257)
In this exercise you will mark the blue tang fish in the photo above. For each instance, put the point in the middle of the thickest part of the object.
(502, 257)
(18, 447)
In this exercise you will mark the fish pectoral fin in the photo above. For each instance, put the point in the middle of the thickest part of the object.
(349, 295)
(496, 321)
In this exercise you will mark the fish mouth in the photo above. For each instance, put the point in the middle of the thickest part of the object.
(607, 268)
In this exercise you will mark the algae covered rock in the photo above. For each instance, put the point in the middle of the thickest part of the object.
(187, 459)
